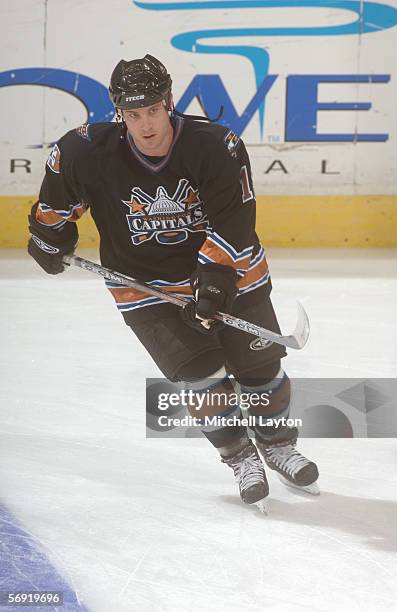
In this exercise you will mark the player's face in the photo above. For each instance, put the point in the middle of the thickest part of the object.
(151, 129)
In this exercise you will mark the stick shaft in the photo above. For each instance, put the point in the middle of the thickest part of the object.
(126, 281)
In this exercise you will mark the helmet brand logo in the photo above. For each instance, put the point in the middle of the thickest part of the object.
(132, 98)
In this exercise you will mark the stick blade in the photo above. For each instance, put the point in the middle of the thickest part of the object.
(301, 333)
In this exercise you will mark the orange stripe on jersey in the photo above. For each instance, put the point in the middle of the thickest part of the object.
(125, 295)
(77, 213)
(219, 256)
(48, 218)
(176, 289)
(253, 275)
(52, 217)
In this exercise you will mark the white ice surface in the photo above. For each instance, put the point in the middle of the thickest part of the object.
(156, 525)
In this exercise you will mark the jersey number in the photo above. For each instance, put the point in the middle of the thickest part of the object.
(245, 185)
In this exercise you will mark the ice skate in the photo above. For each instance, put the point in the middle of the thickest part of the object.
(293, 469)
(250, 475)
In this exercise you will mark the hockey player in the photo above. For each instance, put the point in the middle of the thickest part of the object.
(173, 200)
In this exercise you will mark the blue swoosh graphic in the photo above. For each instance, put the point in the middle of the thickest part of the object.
(371, 17)
(80, 86)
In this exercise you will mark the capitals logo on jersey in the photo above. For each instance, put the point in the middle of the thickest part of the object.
(166, 217)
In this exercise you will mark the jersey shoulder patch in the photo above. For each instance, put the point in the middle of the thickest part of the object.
(54, 159)
(231, 142)
(83, 131)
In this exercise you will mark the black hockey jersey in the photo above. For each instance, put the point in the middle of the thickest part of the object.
(157, 218)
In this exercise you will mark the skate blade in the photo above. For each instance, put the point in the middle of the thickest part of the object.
(263, 505)
(312, 489)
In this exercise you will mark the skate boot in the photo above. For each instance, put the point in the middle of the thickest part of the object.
(293, 469)
(250, 475)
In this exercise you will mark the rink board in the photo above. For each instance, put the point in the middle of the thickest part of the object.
(309, 85)
(310, 221)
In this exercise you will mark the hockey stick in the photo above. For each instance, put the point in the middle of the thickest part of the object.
(296, 340)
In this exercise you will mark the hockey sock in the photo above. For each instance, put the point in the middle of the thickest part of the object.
(216, 404)
(269, 404)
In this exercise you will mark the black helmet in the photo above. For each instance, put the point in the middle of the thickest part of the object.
(139, 83)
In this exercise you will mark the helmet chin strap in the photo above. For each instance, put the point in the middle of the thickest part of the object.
(199, 117)
(168, 103)
(120, 123)
(173, 112)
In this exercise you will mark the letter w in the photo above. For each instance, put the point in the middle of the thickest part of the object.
(211, 94)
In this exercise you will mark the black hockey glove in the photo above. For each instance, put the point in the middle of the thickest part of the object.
(214, 289)
(48, 246)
